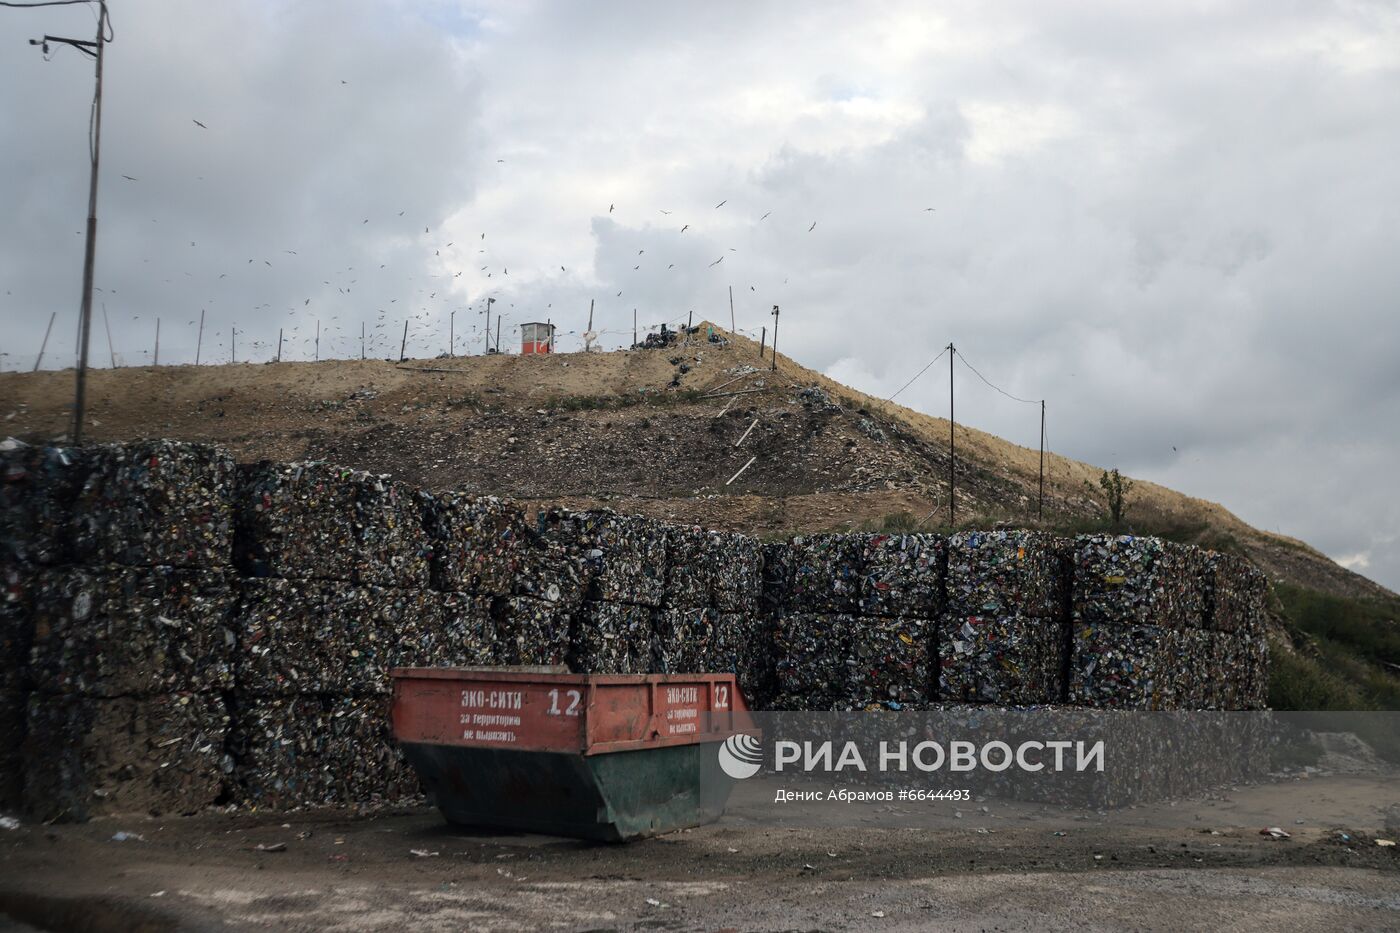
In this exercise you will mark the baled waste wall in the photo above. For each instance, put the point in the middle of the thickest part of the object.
(181, 631)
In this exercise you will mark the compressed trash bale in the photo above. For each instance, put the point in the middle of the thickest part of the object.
(392, 545)
(160, 502)
(162, 754)
(1000, 573)
(1127, 580)
(685, 641)
(38, 486)
(1119, 666)
(612, 638)
(17, 594)
(296, 520)
(1236, 592)
(736, 572)
(476, 542)
(742, 645)
(462, 633)
(689, 567)
(827, 572)
(779, 565)
(1009, 660)
(312, 750)
(1240, 662)
(552, 572)
(891, 662)
(311, 637)
(1191, 678)
(624, 555)
(132, 631)
(811, 654)
(531, 631)
(903, 576)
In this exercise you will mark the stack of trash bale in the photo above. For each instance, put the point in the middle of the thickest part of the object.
(131, 654)
(892, 653)
(1003, 637)
(621, 560)
(1139, 624)
(1236, 607)
(711, 619)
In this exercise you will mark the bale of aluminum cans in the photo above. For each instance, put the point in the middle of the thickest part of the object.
(1236, 593)
(552, 572)
(1120, 666)
(462, 632)
(1128, 580)
(827, 573)
(156, 503)
(736, 582)
(1002, 573)
(612, 638)
(889, 662)
(1241, 661)
(159, 754)
(689, 570)
(812, 660)
(314, 750)
(296, 521)
(392, 545)
(14, 706)
(903, 575)
(132, 632)
(742, 645)
(477, 543)
(686, 641)
(531, 631)
(1009, 660)
(779, 566)
(18, 585)
(38, 486)
(624, 556)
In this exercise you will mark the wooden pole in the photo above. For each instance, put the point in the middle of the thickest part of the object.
(199, 341)
(634, 327)
(108, 324)
(362, 340)
(451, 315)
(233, 344)
(90, 245)
(1040, 508)
(404, 344)
(498, 334)
(279, 344)
(952, 455)
(762, 341)
(775, 338)
(157, 359)
(52, 315)
(731, 309)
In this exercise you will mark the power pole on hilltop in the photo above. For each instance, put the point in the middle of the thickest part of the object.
(1040, 507)
(498, 333)
(233, 344)
(43, 345)
(775, 338)
(451, 316)
(404, 345)
(486, 337)
(731, 309)
(108, 324)
(157, 360)
(94, 49)
(199, 341)
(318, 341)
(279, 344)
(952, 456)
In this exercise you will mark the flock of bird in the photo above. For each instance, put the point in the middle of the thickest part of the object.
(441, 320)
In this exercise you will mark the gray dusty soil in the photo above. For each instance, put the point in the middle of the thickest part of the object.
(1188, 864)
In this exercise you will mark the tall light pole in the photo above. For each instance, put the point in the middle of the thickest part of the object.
(94, 49)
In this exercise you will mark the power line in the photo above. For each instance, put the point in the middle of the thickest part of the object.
(1028, 401)
(918, 374)
(45, 3)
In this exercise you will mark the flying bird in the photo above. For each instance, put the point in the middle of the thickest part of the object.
(671, 266)
(128, 178)
(927, 209)
(610, 208)
(200, 125)
(717, 261)
(685, 228)
(721, 204)
(764, 217)
(665, 212)
(813, 227)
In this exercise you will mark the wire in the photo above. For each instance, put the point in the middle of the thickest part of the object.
(918, 374)
(1028, 401)
(45, 3)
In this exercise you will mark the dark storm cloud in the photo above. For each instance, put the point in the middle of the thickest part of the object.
(1178, 227)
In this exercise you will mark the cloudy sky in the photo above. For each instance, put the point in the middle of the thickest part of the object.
(1178, 223)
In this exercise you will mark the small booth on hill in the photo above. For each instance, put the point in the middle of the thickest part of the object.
(536, 338)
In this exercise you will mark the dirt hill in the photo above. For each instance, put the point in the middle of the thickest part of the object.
(659, 432)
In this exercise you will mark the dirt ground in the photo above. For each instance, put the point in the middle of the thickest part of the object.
(1187, 864)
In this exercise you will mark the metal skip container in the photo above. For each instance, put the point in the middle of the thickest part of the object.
(597, 756)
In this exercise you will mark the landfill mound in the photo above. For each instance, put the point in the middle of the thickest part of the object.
(660, 432)
(182, 631)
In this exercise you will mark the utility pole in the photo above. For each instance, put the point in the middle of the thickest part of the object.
(689, 319)
(498, 334)
(634, 327)
(731, 310)
(775, 338)
(157, 360)
(762, 341)
(279, 344)
(1040, 508)
(233, 344)
(108, 324)
(199, 341)
(450, 316)
(94, 49)
(42, 346)
(588, 334)
(362, 340)
(951, 450)
(487, 335)
(318, 341)
(404, 345)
